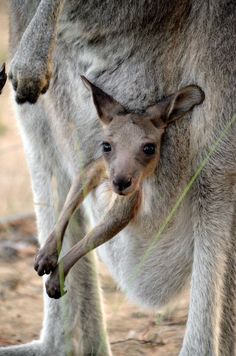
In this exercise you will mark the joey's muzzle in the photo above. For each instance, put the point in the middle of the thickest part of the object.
(124, 185)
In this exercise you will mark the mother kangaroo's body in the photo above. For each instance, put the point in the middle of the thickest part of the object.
(137, 51)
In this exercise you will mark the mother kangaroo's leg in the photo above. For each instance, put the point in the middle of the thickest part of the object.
(82, 319)
(210, 326)
(207, 321)
(228, 319)
(73, 325)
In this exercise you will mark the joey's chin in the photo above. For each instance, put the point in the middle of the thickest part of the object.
(125, 192)
(122, 193)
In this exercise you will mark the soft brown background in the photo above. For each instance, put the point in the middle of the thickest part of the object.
(133, 331)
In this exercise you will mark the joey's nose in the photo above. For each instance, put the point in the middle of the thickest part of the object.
(122, 183)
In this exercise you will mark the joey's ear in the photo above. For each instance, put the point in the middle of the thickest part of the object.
(106, 106)
(176, 105)
(184, 101)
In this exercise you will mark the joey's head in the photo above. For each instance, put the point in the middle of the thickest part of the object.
(132, 141)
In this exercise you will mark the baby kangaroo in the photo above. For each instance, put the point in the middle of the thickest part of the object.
(131, 152)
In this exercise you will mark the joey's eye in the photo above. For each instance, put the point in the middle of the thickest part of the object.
(149, 149)
(106, 147)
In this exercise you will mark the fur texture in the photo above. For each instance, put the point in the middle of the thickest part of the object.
(137, 51)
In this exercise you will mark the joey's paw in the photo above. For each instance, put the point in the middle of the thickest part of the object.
(29, 80)
(55, 285)
(45, 262)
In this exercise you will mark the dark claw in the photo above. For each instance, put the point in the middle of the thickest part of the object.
(3, 76)
(48, 269)
(40, 271)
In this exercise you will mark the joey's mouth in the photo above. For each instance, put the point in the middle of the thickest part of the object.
(125, 191)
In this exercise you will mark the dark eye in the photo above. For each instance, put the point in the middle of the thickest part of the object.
(106, 147)
(149, 149)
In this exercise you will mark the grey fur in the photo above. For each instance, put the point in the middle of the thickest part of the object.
(137, 51)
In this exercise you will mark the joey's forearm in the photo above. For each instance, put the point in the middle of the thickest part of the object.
(96, 238)
(91, 177)
(115, 220)
(82, 185)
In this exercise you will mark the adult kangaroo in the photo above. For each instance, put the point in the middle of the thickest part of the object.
(137, 51)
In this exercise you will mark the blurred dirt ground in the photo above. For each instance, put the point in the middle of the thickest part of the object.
(132, 331)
